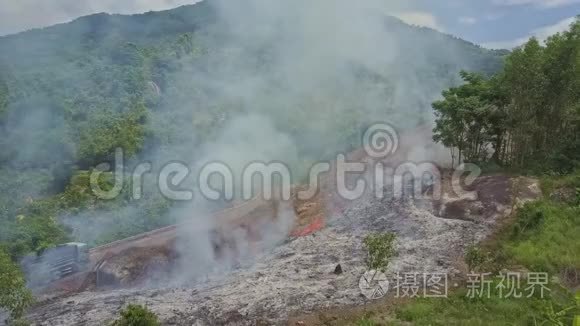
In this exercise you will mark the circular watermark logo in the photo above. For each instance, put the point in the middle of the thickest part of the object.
(380, 140)
(374, 284)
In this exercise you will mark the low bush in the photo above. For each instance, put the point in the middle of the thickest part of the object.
(380, 249)
(137, 315)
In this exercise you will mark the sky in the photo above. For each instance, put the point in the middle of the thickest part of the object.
(491, 23)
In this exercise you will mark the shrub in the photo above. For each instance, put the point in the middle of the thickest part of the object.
(137, 315)
(380, 249)
(475, 258)
(530, 217)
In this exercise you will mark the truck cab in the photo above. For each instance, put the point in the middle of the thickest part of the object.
(66, 259)
(56, 263)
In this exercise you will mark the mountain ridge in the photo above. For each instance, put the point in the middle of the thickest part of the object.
(183, 14)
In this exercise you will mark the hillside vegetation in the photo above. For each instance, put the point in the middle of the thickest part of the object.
(70, 94)
(166, 86)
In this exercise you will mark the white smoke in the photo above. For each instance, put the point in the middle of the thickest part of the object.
(305, 77)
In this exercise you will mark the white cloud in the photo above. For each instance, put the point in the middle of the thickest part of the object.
(541, 34)
(537, 3)
(19, 15)
(467, 20)
(419, 18)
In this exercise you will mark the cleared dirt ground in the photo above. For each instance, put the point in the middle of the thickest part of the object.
(297, 278)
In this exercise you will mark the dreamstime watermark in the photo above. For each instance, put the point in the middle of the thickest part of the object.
(379, 172)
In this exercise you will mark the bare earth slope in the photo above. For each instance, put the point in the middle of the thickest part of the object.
(298, 275)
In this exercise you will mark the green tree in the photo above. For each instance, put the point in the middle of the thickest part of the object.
(14, 296)
(528, 115)
(35, 233)
(525, 82)
(468, 119)
(106, 132)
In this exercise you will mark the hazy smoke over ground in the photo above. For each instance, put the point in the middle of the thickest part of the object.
(300, 80)
(289, 81)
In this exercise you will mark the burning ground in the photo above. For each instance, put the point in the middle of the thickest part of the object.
(299, 275)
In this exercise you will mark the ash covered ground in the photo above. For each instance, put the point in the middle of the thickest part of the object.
(298, 276)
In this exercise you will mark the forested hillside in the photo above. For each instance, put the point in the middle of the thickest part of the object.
(72, 93)
(177, 85)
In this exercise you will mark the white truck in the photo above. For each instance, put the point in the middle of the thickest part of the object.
(55, 263)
